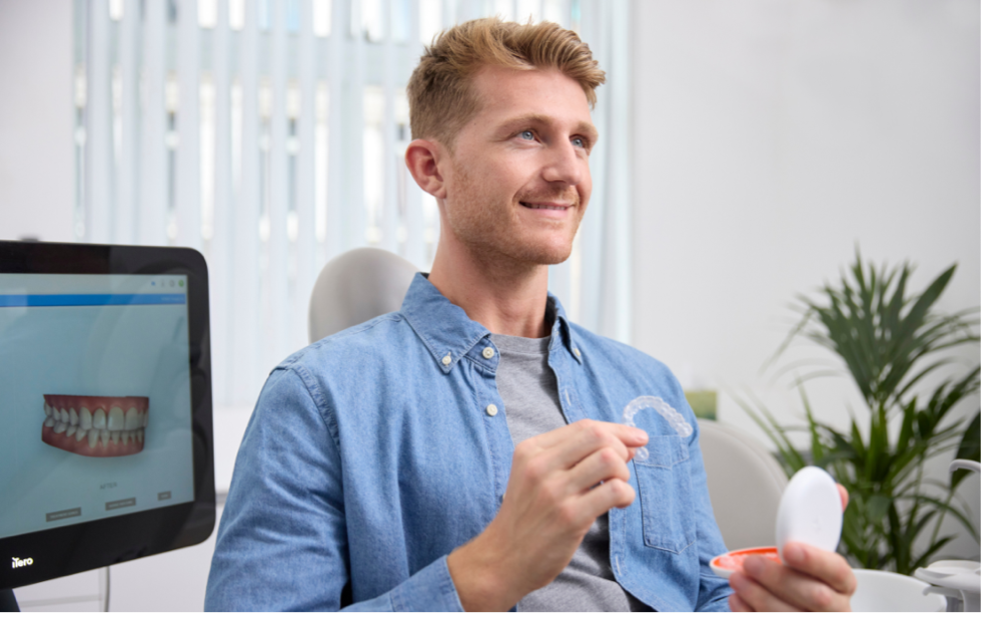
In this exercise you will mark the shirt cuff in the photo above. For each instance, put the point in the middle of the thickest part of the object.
(429, 590)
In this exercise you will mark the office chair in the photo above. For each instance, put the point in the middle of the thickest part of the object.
(355, 287)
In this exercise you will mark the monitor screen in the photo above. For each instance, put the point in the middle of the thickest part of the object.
(98, 389)
(106, 407)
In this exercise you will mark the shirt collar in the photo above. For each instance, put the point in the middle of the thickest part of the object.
(448, 332)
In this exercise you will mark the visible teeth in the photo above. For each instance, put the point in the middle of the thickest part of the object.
(73, 417)
(60, 427)
(64, 415)
(140, 435)
(49, 422)
(93, 438)
(85, 419)
(99, 419)
(133, 419)
(114, 435)
(71, 430)
(79, 434)
(116, 419)
(47, 410)
(126, 436)
(104, 437)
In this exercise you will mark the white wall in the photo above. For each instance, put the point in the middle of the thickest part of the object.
(36, 122)
(773, 136)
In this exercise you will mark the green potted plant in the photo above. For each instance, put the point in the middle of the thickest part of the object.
(889, 342)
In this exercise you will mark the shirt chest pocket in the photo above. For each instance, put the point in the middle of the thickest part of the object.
(666, 495)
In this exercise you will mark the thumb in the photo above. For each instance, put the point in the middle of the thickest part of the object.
(844, 496)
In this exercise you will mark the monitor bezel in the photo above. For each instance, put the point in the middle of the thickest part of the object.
(95, 544)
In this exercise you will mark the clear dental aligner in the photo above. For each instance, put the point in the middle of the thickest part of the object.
(95, 425)
(675, 419)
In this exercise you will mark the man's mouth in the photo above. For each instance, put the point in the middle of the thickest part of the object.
(544, 206)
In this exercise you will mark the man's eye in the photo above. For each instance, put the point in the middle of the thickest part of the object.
(527, 134)
(579, 142)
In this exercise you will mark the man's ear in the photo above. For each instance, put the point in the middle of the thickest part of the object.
(423, 159)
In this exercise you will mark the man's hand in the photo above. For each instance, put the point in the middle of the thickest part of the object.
(554, 494)
(812, 580)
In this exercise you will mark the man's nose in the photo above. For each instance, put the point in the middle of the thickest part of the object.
(565, 165)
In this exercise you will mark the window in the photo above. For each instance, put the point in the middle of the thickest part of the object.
(261, 134)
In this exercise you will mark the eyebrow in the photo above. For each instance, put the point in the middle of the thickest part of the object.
(583, 128)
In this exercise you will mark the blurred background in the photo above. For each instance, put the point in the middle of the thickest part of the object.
(747, 150)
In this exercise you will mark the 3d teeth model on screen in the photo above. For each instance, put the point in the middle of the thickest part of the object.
(95, 425)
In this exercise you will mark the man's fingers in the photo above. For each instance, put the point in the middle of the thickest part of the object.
(576, 441)
(737, 605)
(755, 597)
(605, 464)
(612, 494)
(588, 429)
(844, 495)
(826, 566)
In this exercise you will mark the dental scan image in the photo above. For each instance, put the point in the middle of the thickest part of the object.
(95, 425)
(96, 396)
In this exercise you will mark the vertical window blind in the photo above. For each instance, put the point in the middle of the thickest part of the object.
(269, 135)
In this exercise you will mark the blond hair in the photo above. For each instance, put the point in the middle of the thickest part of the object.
(440, 94)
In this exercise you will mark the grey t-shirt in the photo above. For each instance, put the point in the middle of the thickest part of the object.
(532, 406)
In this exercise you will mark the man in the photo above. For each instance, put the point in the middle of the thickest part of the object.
(471, 450)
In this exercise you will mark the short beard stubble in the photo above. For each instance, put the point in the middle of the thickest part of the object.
(491, 231)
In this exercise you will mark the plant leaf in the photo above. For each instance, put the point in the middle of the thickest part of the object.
(948, 509)
(877, 506)
(969, 449)
(923, 560)
(789, 458)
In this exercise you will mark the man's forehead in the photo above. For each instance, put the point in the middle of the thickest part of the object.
(541, 95)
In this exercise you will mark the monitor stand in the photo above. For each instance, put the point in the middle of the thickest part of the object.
(8, 603)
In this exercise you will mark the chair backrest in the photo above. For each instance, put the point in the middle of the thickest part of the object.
(745, 483)
(355, 287)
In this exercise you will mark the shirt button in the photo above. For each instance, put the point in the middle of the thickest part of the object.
(491, 410)
(576, 352)
(488, 352)
(446, 360)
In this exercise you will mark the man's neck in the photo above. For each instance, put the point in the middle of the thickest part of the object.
(506, 298)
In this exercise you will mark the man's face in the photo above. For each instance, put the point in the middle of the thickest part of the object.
(518, 181)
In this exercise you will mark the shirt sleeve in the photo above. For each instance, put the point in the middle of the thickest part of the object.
(282, 542)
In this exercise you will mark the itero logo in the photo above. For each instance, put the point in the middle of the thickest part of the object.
(20, 563)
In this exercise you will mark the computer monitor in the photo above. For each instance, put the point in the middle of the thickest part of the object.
(106, 408)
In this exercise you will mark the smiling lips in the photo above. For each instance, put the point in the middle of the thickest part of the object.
(99, 426)
(546, 206)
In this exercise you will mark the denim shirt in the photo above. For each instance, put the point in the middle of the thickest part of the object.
(373, 453)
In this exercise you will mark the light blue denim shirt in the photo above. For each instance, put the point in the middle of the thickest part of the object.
(371, 456)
